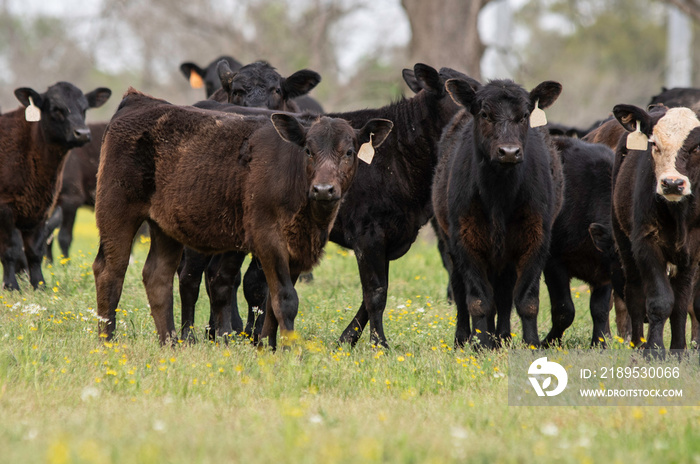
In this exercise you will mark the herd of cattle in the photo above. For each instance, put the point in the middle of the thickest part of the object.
(259, 168)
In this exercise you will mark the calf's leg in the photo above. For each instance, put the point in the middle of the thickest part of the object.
(694, 311)
(634, 296)
(600, 313)
(11, 251)
(682, 284)
(478, 294)
(459, 293)
(503, 285)
(557, 279)
(109, 268)
(190, 271)
(622, 318)
(65, 233)
(374, 277)
(283, 300)
(158, 273)
(224, 277)
(659, 293)
(255, 291)
(33, 249)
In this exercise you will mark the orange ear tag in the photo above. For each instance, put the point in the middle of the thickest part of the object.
(32, 113)
(196, 80)
(637, 140)
(366, 152)
(537, 117)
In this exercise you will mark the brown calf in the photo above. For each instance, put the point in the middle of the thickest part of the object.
(219, 182)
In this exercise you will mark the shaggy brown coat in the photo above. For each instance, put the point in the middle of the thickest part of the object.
(219, 182)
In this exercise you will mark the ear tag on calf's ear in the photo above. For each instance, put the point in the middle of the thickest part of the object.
(196, 80)
(637, 140)
(537, 117)
(366, 152)
(32, 113)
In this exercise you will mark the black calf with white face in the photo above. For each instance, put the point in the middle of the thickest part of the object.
(501, 111)
(63, 108)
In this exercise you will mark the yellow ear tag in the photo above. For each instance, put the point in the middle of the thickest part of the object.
(32, 113)
(537, 117)
(196, 80)
(637, 140)
(366, 152)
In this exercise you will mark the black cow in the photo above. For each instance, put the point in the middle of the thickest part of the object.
(212, 81)
(260, 85)
(656, 219)
(207, 77)
(582, 241)
(31, 155)
(496, 194)
(688, 97)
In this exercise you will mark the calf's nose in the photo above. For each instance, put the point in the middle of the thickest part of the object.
(510, 154)
(323, 192)
(82, 135)
(672, 185)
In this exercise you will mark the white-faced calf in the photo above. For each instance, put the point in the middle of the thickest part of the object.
(656, 218)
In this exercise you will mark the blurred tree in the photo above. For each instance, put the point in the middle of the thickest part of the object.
(32, 49)
(446, 33)
(689, 7)
(603, 53)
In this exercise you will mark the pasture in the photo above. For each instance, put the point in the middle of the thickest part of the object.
(66, 396)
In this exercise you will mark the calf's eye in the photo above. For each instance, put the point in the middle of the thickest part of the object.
(349, 153)
(308, 152)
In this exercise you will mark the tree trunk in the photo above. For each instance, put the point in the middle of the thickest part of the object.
(445, 33)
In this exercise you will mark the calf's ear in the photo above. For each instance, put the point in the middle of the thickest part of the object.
(24, 93)
(98, 97)
(428, 78)
(545, 94)
(188, 69)
(377, 128)
(223, 70)
(300, 83)
(628, 115)
(289, 128)
(463, 93)
(409, 77)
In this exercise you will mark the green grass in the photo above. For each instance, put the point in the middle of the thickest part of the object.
(65, 396)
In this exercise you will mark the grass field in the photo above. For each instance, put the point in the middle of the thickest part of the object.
(66, 396)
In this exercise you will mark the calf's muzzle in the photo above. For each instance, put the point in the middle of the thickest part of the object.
(510, 154)
(324, 192)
